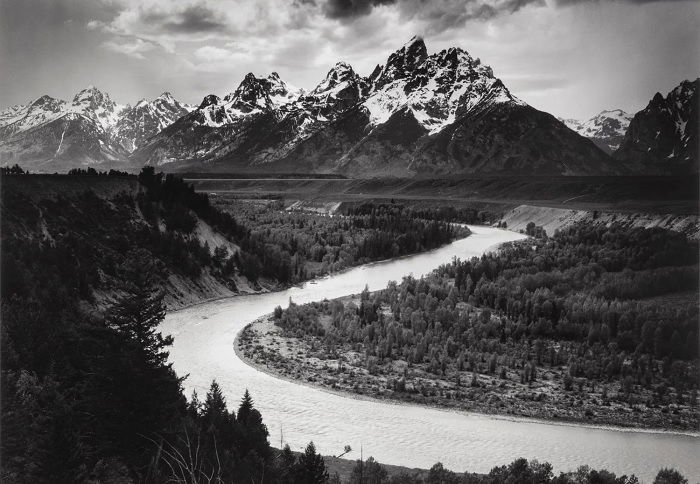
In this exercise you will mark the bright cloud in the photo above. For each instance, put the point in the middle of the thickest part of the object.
(135, 48)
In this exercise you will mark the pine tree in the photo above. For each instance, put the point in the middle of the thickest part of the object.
(214, 411)
(310, 468)
(143, 388)
(138, 313)
(245, 408)
(670, 476)
(286, 465)
(254, 429)
(194, 407)
(368, 472)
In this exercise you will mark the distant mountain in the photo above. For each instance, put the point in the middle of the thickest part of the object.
(146, 119)
(606, 129)
(663, 137)
(417, 114)
(53, 135)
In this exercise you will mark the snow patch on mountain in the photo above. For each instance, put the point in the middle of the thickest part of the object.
(98, 106)
(663, 137)
(436, 88)
(606, 129)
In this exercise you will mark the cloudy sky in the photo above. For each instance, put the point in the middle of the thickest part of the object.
(572, 58)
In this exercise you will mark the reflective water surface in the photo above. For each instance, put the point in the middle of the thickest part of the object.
(393, 433)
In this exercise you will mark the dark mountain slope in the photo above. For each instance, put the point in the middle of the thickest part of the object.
(663, 137)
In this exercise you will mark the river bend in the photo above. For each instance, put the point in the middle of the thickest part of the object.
(395, 433)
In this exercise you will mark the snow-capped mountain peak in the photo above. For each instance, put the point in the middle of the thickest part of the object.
(257, 94)
(340, 79)
(606, 129)
(92, 97)
(146, 119)
(97, 105)
(340, 72)
(251, 94)
(48, 103)
(435, 88)
(281, 92)
(210, 99)
(402, 63)
(166, 96)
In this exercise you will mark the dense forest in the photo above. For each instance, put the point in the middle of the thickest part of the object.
(442, 213)
(87, 395)
(293, 246)
(584, 320)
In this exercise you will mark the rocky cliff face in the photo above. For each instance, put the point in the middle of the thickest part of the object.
(663, 137)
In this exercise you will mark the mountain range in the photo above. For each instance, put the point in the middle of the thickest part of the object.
(50, 134)
(417, 114)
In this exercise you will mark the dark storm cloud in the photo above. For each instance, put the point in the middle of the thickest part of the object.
(195, 18)
(450, 12)
(580, 2)
(445, 13)
(352, 8)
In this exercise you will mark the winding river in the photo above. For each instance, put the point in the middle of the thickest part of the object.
(393, 433)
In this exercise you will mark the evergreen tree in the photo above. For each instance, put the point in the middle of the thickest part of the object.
(138, 313)
(670, 476)
(194, 407)
(286, 463)
(310, 468)
(252, 429)
(368, 472)
(215, 415)
(439, 475)
(246, 407)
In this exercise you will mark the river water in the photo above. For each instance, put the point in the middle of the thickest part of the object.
(393, 433)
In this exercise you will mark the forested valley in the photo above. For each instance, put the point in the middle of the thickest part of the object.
(295, 245)
(593, 324)
(88, 394)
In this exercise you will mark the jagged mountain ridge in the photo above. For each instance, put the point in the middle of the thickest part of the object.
(259, 122)
(50, 134)
(417, 114)
(663, 137)
(606, 129)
